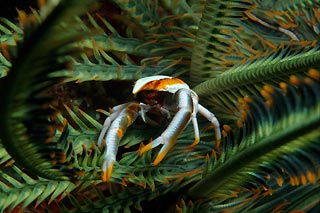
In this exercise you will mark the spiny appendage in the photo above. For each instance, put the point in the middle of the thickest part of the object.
(114, 128)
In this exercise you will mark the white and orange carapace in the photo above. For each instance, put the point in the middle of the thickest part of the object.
(168, 95)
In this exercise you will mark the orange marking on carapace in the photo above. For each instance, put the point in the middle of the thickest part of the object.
(162, 84)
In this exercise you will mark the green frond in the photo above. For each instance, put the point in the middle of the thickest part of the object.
(248, 32)
(291, 140)
(135, 174)
(141, 12)
(4, 156)
(132, 172)
(9, 32)
(17, 188)
(291, 5)
(299, 197)
(269, 68)
(214, 36)
(116, 201)
(28, 119)
(254, 64)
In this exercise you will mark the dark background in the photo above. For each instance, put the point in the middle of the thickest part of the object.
(8, 8)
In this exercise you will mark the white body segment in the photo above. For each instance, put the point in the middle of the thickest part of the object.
(185, 104)
(159, 83)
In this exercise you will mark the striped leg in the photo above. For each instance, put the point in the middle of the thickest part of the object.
(115, 112)
(115, 126)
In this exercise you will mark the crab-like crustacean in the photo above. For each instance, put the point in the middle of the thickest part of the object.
(166, 94)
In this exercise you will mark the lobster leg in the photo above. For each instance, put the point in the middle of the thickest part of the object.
(212, 118)
(115, 126)
(194, 119)
(115, 112)
(179, 122)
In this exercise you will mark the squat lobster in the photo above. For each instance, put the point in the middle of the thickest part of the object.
(160, 92)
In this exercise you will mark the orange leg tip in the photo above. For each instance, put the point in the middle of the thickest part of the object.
(143, 148)
(104, 177)
(157, 160)
(195, 142)
(160, 157)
